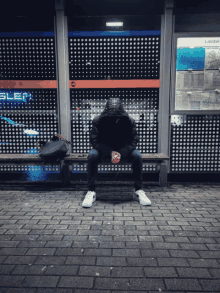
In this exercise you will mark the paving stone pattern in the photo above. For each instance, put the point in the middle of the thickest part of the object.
(49, 243)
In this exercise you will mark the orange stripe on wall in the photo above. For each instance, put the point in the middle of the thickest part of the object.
(132, 83)
(28, 84)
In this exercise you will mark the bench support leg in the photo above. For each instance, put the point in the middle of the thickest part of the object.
(163, 175)
(65, 174)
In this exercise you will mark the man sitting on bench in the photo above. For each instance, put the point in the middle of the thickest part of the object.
(114, 137)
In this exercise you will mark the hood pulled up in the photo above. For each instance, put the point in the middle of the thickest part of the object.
(114, 108)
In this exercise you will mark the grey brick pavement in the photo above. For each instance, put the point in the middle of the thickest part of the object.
(50, 244)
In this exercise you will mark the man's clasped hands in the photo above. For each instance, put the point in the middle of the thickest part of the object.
(116, 157)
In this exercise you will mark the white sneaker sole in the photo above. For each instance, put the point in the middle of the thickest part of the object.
(135, 197)
(88, 205)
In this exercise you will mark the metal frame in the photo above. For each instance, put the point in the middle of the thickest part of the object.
(173, 75)
(61, 42)
(63, 92)
(167, 30)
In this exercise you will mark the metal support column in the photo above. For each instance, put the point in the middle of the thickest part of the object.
(167, 30)
(61, 42)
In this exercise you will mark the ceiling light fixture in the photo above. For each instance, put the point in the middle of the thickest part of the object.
(114, 23)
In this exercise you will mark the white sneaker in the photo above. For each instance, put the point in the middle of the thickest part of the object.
(140, 196)
(89, 199)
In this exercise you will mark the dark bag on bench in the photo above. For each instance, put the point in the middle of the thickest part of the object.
(55, 150)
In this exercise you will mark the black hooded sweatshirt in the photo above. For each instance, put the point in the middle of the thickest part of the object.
(114, 130)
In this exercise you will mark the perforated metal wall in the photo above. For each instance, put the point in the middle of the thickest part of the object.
(27, 58)
(117, 57)
(27, 115)
(195, 143)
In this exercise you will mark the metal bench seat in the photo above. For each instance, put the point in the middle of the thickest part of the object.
(79, 159)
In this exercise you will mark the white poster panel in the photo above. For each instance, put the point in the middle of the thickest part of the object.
(197, 85)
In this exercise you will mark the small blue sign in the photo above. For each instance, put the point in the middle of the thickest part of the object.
(188, 58)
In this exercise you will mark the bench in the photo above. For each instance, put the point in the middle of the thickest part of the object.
(24, 159)
(79, 159)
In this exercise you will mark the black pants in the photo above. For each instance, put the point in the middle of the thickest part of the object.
(96, 157)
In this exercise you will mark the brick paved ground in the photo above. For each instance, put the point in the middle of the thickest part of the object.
(50, 244)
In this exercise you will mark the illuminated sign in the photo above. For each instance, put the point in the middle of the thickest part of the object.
(14, 96)
(29, 132)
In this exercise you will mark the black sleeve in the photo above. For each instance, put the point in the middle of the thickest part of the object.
(94, 137)
(132, 144)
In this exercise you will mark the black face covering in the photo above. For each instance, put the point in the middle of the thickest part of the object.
(113, 119)
(113, 114)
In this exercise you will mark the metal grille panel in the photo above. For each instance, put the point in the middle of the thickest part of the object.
(98, 58)
(118, 57)
(27, 58)
(27, 115)
(195, 143)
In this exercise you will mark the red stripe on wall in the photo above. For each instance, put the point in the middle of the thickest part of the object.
(28, 84)
(132, 83)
